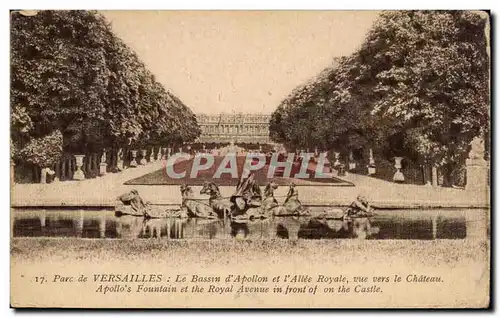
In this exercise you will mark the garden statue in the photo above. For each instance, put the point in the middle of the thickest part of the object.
(79, 175)
(371, 164)
(477, 167)
(119, 160)
(143, 157)
(398, 176)
(477, 149)
(352, 163)
(133, 162)
(103, 165)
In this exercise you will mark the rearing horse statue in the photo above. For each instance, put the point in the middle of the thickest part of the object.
(222, 206)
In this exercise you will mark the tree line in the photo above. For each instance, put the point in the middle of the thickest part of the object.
(417, 87)
(78, 88)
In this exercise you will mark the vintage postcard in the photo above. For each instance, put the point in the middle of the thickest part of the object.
(250, 159)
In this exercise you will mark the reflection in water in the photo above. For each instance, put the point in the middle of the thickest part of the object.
(170, 228)
(319, 229)
(239, 230)
(104, 224)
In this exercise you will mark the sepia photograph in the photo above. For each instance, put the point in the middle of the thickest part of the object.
(250, 159)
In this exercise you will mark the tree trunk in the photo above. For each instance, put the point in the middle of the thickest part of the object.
(63, 169)
(70, 168)
(112, 159)
(447, 171)
(95, 165)
(57, 169)
(427, 173)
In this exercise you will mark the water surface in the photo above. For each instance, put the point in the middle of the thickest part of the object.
(100, 224)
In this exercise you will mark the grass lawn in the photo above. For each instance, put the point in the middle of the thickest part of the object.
(461, 266)
(338, 252)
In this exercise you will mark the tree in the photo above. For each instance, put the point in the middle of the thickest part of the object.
(300, 119)
(44, 151)
(58, 68)
(71, 74)
(429, 73)
(326, 112)
(418, 87)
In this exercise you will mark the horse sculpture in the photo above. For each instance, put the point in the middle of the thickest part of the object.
(293, 204)
(131, 203)
(247, 206)
(195, 207)
(270, 205)
(222, 206)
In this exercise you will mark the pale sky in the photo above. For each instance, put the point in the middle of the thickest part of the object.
(243, 61)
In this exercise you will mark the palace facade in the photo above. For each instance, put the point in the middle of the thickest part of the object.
(236, 127)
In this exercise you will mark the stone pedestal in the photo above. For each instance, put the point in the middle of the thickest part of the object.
(398, 176)
(79, 175)
(477, 174)
(119, 165)
(103, 165)
(102, 168)
(371, 170)
(43, 176)
(143, 157)
(133, 162)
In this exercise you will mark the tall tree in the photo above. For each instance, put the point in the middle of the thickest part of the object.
(429, 73)
(418, 86)
(70, 73)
